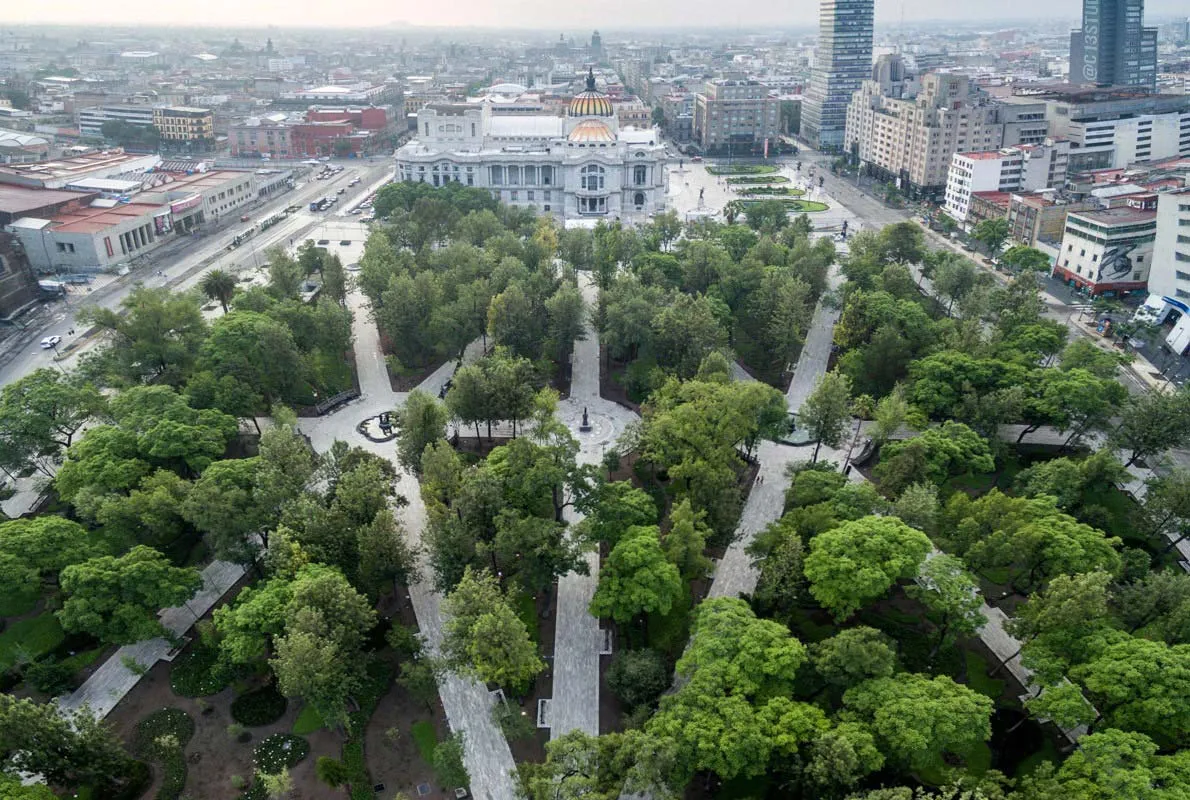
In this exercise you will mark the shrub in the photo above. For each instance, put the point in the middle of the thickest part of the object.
(638, 677)
(448, 762)
(198, 674)
(162, 736)
(259, 707)
(742, 169)
(331, 771)
(50, 676)
(279, 751)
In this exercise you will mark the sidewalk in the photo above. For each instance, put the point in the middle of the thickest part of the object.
(107, 685)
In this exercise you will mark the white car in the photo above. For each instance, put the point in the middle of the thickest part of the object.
(50, 342)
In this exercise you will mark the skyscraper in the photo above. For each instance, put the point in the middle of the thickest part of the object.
(1114, 48)
(842, 61)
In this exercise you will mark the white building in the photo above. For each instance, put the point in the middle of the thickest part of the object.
(1107, 252)
(90, 120)
(1024, 168)
(1169, 279)
(582, 165)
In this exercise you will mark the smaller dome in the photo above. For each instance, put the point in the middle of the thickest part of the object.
(591, 131)
(591, 103)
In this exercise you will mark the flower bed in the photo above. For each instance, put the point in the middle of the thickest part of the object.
(778, 191)
(279, 751)
(791, 205)
(741, 169)
(752, 179)
(198, 674)
(162, 736)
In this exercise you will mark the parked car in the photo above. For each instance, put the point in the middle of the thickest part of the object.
(345, 242)
(324, 241)
(50, 342)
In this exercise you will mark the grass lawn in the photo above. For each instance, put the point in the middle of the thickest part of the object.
(526, 609)
(84, 659)
(977, 677)
(308, 720)
(17, 600)
(426, 739)
(32, 637)
(1047, 753)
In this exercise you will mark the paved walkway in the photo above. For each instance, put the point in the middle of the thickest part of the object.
(578, 638)
(107, 685)
(467, 702)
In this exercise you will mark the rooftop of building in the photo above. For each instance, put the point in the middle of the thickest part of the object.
(1116, 216)
(989, 155)
(186, 109)
(20, 199)
(69, 166)
(997, 198)
(93, 219)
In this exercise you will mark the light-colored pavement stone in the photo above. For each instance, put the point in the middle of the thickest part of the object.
(108, 684)
(466, 701)
(577, 635)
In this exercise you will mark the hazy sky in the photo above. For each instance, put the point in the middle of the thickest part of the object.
(607, 14)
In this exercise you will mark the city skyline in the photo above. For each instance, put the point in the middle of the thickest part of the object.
(533, 15)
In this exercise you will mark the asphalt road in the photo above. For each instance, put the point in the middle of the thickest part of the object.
(184, 263)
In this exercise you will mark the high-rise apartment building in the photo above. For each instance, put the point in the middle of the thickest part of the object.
(842, 61)
(909, 138)
(1114, 48)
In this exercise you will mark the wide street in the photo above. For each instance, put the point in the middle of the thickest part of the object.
(185, 261)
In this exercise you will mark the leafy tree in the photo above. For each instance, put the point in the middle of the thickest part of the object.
(223, 504)
(992, 233)
(1084, 354)
(854, 655)
(951, 595)
(1079, 402)
(1045, 544)
(156, 334)
(1058, 624)
(535, 550)
(66, 749)
(826, 413)
(1166, 509)
(117, 599)
(448, 762)
(1151, 423)
(767, 215)
(285, 274)
(892, 412)
(842, 756)
(320, 655)
(934, 456)
(955, 278)
(421, 421)
(859, 561)
(685, 332)
(636, 578)
(218, 285)
(613, 508)
(1111, 765)
(780, 554)
(903, 242)
(1026, 259)
(385, 554)
(917, 719)
(45, 545)
(483, 634)
(730, 650)
(638, 677)
(257, 351)
(566, 314)
(917, 506)
(334, 279)
(685, 542)
(247, 627)
(1136, 685)
(39, 416)
(1158, 597)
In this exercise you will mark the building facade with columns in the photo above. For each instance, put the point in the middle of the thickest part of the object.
(580, 166)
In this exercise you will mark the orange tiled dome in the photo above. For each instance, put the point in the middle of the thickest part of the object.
(591, 131)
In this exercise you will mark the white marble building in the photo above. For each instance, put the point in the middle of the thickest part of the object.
(581, 166)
